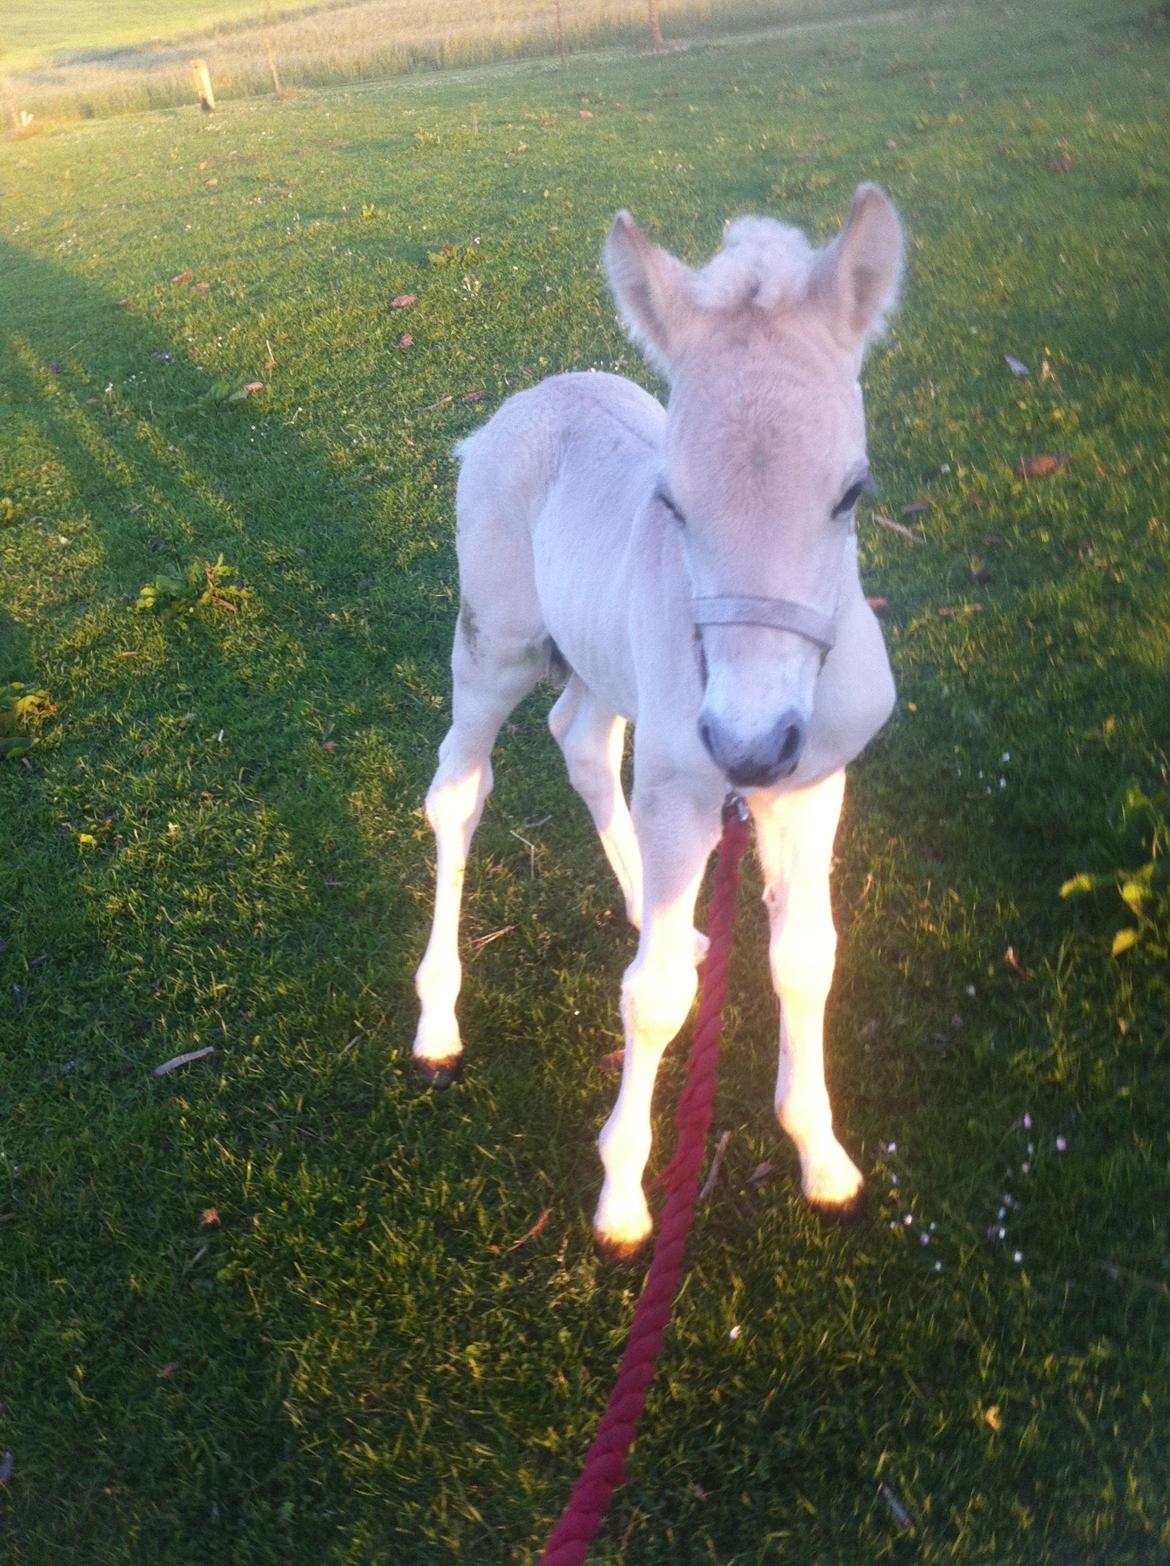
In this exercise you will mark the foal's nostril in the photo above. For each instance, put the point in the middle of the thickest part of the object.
(788, 735)
(791, 744)
(708, 741)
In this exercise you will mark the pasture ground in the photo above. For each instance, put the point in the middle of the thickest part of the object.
(70, 60)
(282, 1304)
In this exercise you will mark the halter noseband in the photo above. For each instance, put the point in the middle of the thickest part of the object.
(777, 614)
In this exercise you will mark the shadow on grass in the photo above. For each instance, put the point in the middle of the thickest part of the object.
(192, 866)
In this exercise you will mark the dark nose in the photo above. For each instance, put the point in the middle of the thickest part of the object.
(760, 762)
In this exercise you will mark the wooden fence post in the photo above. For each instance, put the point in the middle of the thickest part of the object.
(276, 87)
(203, 85)
(6, 98)
(655, 30)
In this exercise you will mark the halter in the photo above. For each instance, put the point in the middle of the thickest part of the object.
(777, 614)
(774, 614)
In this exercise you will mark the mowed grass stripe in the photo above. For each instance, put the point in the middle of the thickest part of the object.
(348, 1361)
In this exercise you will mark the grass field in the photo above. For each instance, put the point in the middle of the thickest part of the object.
(130, 59)
(282, 1304)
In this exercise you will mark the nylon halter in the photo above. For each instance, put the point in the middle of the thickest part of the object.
(774, 614)
(777, 614)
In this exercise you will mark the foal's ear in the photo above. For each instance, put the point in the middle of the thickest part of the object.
(650, 286)
(858, 275)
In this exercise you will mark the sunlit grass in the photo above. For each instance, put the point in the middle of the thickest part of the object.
(215, 839)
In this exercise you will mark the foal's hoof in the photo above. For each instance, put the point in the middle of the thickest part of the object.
(438, 1073)
(844, 1213)
(620, 1253)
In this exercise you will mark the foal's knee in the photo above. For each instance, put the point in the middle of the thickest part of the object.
(656, 998)
(802, 957)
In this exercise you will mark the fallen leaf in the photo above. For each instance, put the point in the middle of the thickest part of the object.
(167, 1373)
(328, 744)
(208, 1216)
(200, 288)
(406, 341)
(916, 508)
(584, 114)
(183, 1060)
(1016, 366)
(612, 1061)
(761, 1174)
(473, 396)
(1014, 963)
(182, 277)
(1040, 466)
(211, 183)
(878, 604)
(253, 386)
(403, 301)
(991, 1418)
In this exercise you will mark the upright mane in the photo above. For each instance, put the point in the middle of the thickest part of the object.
(763, 264)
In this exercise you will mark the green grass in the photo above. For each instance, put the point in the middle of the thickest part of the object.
(354, 1364)
(36, 31)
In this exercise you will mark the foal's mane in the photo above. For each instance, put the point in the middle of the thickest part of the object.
(763, 265)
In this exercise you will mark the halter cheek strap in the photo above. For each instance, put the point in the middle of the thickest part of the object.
(776, 614)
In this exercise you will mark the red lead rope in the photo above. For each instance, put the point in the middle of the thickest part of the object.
(604, 1467)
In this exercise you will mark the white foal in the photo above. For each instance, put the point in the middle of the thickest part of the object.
(694, 569)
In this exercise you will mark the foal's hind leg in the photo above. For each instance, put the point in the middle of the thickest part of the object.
(591, 738)
(489, 680)
(794, 835)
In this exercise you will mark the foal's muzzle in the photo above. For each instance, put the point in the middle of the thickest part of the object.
(764, 761)
(774, 756)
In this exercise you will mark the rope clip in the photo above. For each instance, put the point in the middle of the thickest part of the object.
(735, 805)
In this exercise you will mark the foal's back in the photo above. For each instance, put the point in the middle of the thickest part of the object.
(549, 489)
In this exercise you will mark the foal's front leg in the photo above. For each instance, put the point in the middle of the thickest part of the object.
(676, 830)
(794, 835)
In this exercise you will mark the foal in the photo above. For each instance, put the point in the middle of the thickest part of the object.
(694, 570)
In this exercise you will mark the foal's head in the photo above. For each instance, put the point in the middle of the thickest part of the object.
(765, 452)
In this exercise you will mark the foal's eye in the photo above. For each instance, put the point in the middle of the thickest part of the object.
(853, 494)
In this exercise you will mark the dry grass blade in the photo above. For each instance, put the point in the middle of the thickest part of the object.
(898, 527)
(481, 941)
(716, 1166)
(897, 1511)
(183, 1060)
(536, 1229)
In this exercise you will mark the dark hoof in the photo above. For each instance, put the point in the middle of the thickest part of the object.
(843, 1213)
(439, 1073)
(620, 1253)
